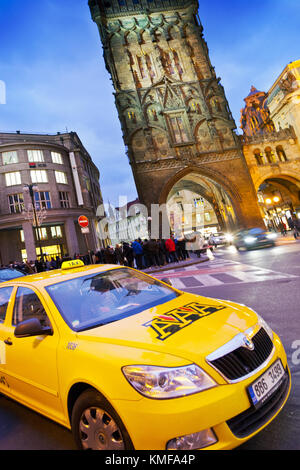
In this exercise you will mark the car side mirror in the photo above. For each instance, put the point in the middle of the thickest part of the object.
(32, 327)
(166, 280)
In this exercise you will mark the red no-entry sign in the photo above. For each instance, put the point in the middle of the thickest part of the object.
(83, 221)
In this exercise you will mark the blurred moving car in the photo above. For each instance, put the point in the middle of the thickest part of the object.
(220, 238)
(7, 274)
(254, 238)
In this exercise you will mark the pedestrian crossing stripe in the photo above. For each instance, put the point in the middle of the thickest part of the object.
(179, 318)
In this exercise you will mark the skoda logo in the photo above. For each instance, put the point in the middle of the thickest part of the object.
(248, 343)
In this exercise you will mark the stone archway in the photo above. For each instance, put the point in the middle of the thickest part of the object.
(279, 198)
(198, 202)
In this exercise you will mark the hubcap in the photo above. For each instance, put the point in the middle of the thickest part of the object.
(99, 431)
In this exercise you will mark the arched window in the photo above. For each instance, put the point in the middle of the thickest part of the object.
(177, 62)
(149, 66)
(270, 155)
(258, 157)
(141, 64)
(281, 154)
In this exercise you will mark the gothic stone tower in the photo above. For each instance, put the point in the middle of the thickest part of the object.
(173, 111)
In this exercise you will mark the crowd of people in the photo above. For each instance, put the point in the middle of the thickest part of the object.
(140, 254)
(144, 254)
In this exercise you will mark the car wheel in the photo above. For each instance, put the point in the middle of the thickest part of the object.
(96, 425)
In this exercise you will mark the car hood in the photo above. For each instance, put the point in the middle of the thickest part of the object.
(189, 327)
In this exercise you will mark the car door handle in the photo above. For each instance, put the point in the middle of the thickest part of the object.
(8, 341)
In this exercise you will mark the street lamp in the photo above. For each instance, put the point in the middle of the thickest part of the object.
(36, 225)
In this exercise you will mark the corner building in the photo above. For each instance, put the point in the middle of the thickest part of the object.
(177, 126)
(66, 185)
(271, 145)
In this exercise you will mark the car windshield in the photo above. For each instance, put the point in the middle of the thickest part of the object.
(94, 300)
(9, 274)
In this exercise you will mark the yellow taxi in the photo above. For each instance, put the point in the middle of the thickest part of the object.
(129, 362)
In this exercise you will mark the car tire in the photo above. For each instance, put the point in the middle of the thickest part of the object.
(96, 425)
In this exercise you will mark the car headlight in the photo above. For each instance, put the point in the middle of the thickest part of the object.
(250, 240)
(265, 326)
(165, 382)
(229, 237)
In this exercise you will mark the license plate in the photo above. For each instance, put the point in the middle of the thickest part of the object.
(267, 383)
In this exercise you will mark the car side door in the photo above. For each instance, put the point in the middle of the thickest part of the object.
(31, 362)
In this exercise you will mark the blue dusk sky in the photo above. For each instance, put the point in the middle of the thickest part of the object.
(51, 63)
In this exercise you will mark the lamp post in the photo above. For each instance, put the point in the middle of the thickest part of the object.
(36, 225)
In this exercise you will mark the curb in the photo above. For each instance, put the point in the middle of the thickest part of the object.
(177, 266)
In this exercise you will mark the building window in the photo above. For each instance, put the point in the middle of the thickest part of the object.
(149, 66)
(64, 199)
(9, 157)
(56, 158)
(13, 179)
(167, 63)
(22, 236)
(42, 233)
(259, 157)
(39, 176)
(177, 62)
(35, 155)
(140, 61)
(16, 203)
(56, 232)
(270, 155)
(61, 177)
(132, 116)
(281, 154)
(195, 106)
(179, 133)
(42, 200)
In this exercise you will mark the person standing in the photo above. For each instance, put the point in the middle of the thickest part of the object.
(171, 249)
(128, 254)
(119, 255)
(138, 254)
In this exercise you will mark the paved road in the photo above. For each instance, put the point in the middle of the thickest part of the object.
(267, 280)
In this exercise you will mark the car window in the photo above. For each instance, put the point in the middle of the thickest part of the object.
(5, 294)
(8, 274)
(28, 305)
(93, 300)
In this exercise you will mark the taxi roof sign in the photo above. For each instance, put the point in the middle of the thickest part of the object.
(75, 263)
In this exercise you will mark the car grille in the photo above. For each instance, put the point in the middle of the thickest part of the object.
(243, 361)
(252, 419)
